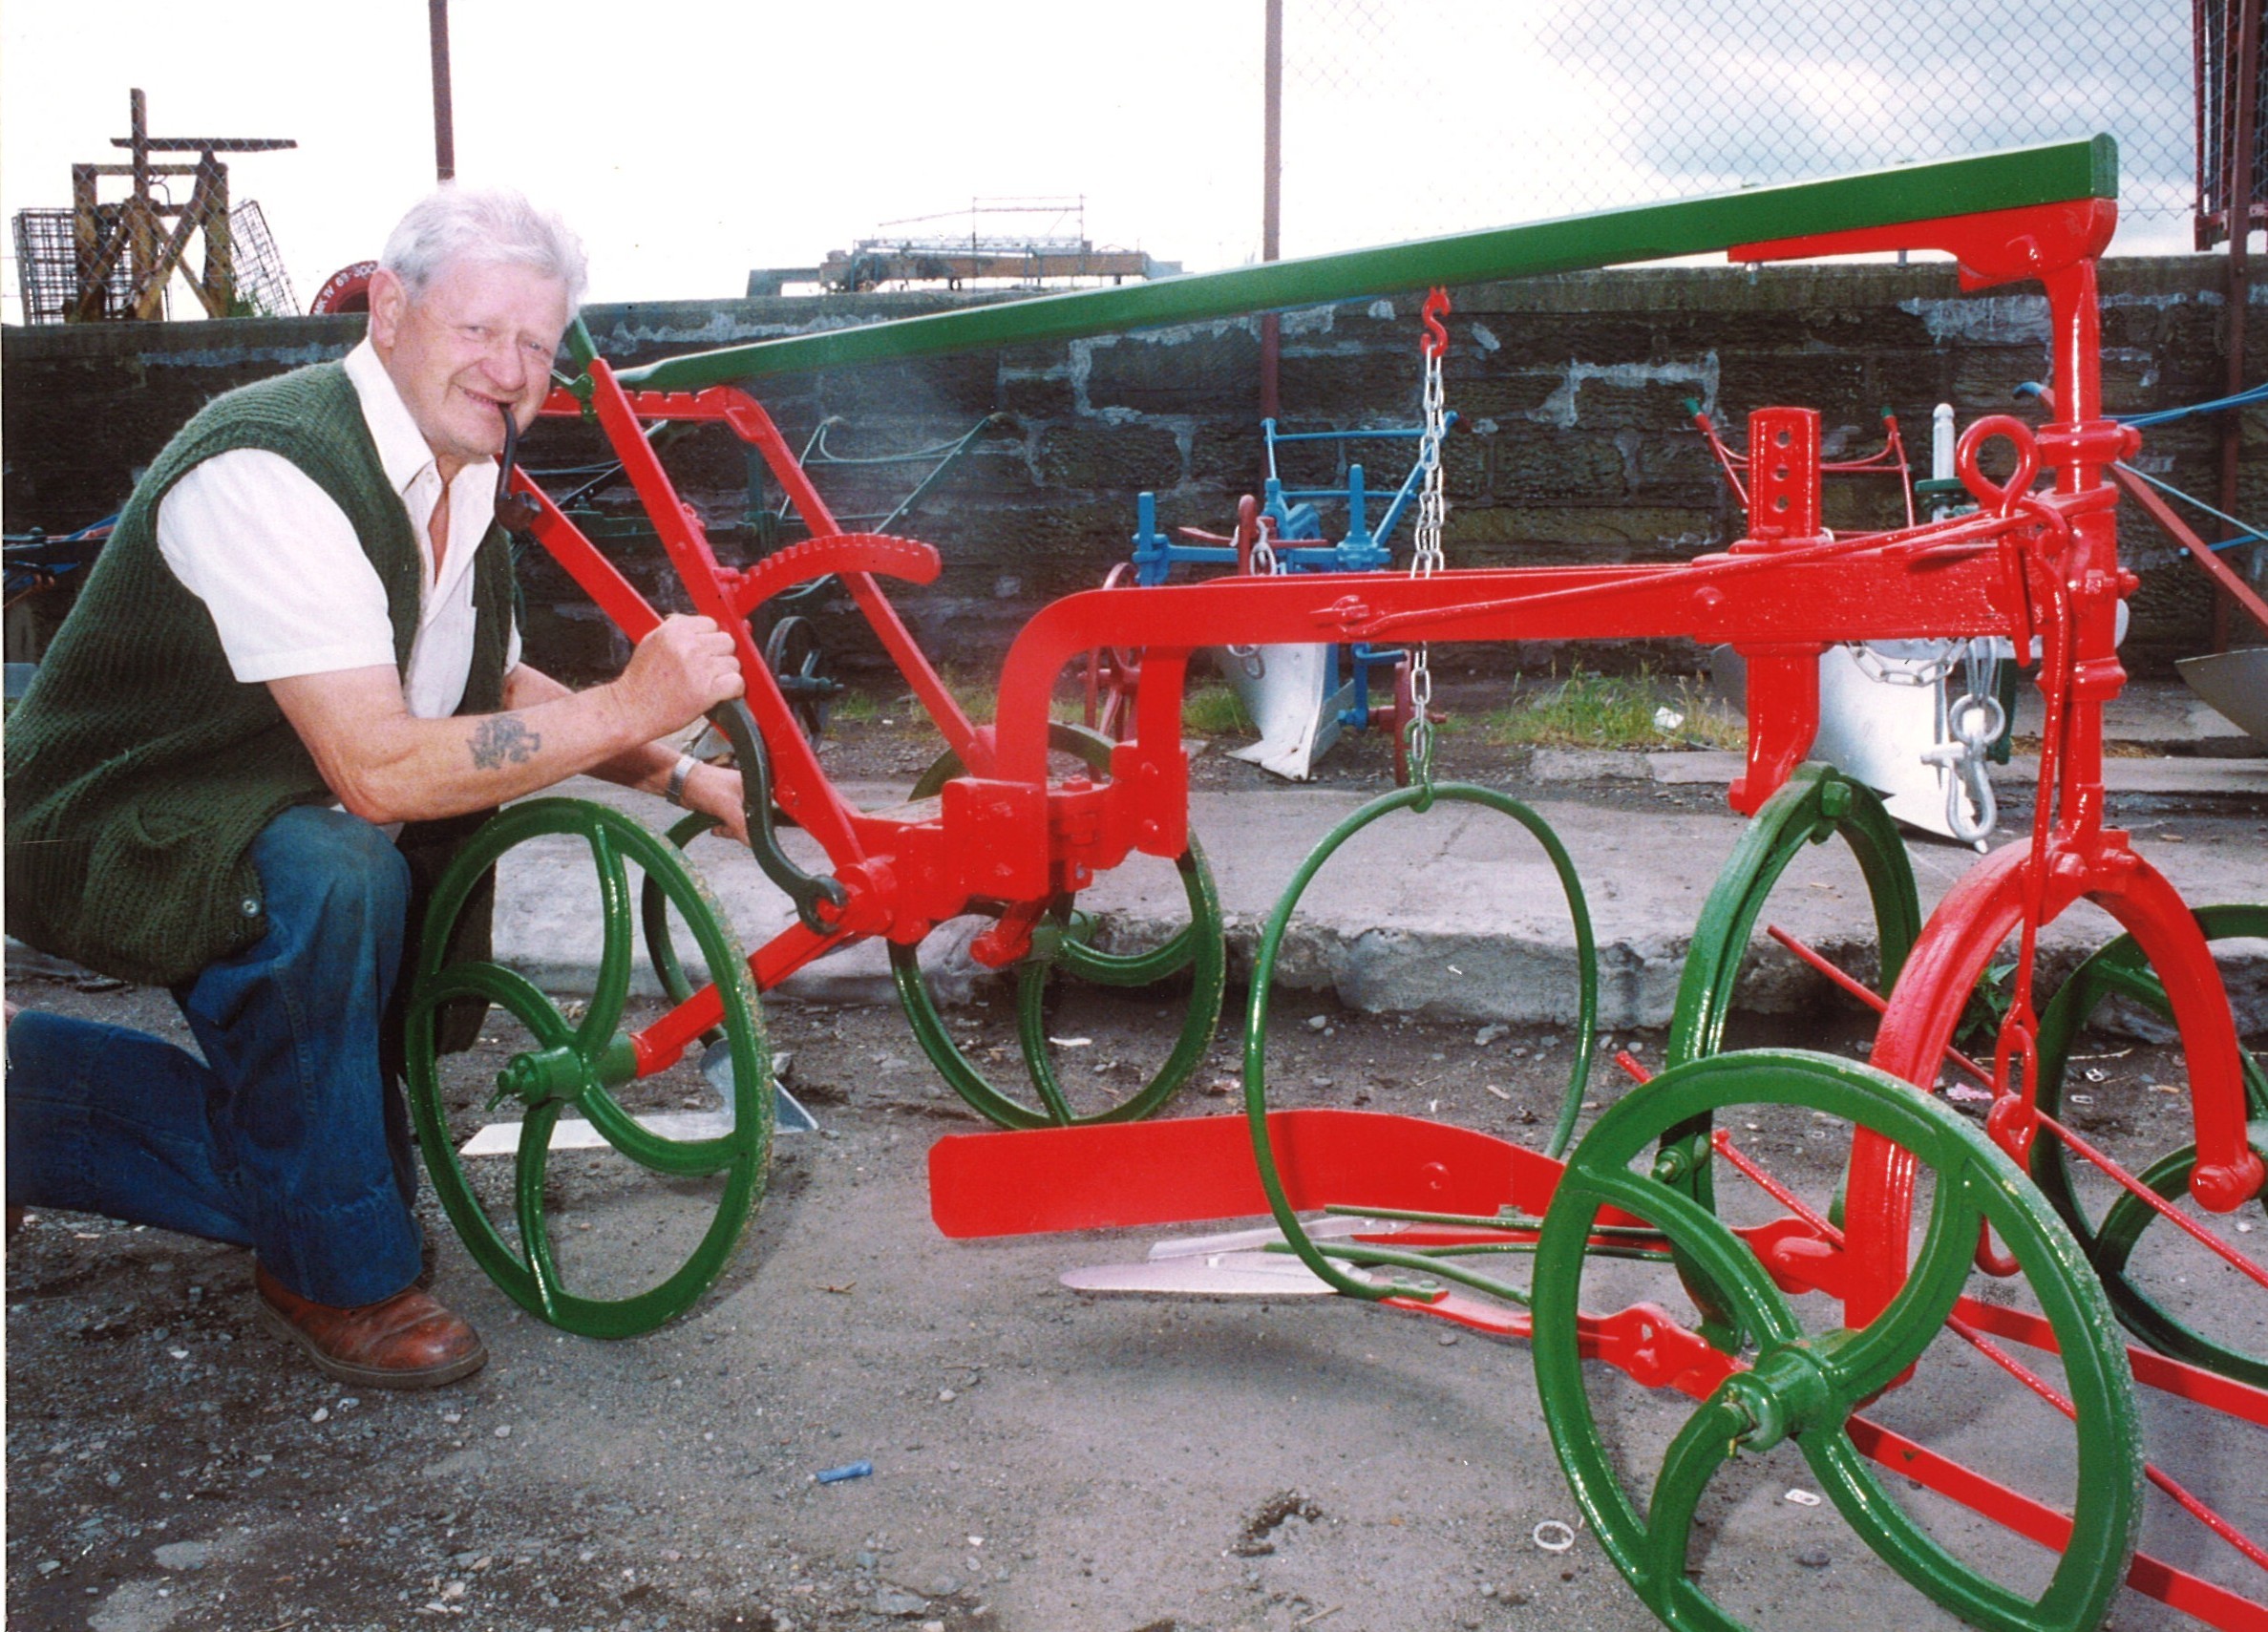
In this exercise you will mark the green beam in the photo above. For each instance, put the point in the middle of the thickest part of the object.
(2047, 174)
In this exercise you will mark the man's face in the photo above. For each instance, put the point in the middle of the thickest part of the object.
(480, 336)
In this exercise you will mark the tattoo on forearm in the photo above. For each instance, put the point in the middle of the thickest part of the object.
(504, 739)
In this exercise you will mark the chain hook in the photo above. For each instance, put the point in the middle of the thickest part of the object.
(1436, 336)
(1256, 557)
(1974, 723)
(2014, 1120)
(1264, 561)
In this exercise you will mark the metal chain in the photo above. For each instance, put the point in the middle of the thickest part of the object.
(1265, 564)
(1880, 666)
(1973, 722)
(1982, 662)
(1967, 727)
(1426, 557)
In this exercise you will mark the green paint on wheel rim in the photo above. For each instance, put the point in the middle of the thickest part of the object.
(583, 1062)
(653, 917)
(1817, 803)
(2121, 969)
(1804, 1387)
(1061, 947)
(1419, 798)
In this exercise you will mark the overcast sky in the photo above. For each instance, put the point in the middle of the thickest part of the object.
(689, 140)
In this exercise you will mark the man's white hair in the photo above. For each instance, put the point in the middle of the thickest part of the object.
(486, 226)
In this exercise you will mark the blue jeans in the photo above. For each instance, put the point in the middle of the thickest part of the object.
(288, 1137)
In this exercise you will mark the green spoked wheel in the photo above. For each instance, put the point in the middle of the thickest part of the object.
(1063, 952)
(2109, 1239)
(1804, 1387)
(792, 653)
(612, 1243)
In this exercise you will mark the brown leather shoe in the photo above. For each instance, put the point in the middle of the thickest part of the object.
(409, 1340)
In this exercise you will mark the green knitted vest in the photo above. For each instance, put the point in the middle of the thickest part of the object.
(140, 769)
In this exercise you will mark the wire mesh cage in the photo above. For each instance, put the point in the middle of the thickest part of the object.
(49, 278)
(263, 285)
(48, 270)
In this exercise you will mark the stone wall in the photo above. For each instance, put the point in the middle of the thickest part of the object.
(1574, 444)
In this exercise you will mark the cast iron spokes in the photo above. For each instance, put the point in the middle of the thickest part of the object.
(582, 1061)
(1807, 1388)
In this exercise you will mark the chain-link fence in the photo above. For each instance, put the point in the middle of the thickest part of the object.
(1507, 112)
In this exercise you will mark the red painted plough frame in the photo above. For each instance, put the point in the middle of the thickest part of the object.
(2036, 565)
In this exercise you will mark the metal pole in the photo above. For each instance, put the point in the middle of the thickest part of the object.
(1271, 204)
(2243, 43)
(140, 240)
(2199, 229)
(444, 118)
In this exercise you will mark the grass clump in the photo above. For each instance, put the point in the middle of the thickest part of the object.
(1215, 710)
(1587, 709)
(891, 706)
(853, 707)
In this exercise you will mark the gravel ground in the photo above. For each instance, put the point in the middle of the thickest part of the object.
(1042, 1459)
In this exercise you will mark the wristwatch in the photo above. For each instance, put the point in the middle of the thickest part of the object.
(674, 792)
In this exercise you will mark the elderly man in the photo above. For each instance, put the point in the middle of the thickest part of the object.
(299, 638)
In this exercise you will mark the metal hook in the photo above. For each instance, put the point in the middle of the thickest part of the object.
(1973, 722)
(1436, 335)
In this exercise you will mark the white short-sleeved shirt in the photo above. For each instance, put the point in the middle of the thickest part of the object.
(278, 564)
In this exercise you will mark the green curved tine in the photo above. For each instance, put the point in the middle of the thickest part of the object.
(1199, 948)
(1808, 1386)
(582, 1064)
(1263, 969)
(1060, 947)
(1817, 803)
(2120, 969)
(653, 917)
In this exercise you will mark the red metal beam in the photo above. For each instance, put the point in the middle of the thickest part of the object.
(2218, 569)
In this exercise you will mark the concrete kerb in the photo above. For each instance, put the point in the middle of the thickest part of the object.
(1455, 914)
(2157, 776)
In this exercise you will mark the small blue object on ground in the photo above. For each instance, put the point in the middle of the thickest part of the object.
(848, 1471)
